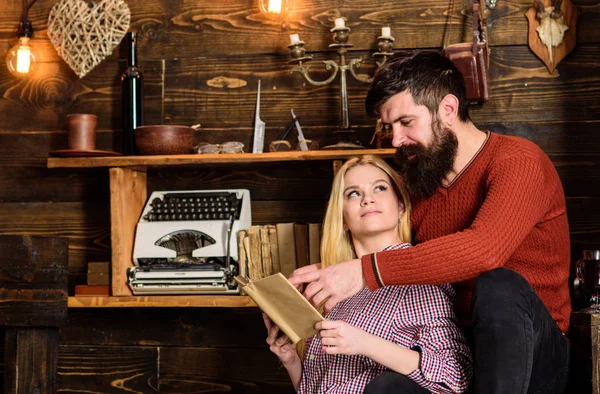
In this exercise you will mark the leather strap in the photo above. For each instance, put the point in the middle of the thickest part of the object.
(476, 24)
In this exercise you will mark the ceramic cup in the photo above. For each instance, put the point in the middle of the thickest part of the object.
(82, 131)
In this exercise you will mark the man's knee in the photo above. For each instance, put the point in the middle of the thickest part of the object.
(382, 383)
(498, 288)
(392, 382)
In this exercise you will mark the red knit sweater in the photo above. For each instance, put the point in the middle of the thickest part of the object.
(505, 209)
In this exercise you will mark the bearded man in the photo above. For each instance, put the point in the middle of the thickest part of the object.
(488, 216)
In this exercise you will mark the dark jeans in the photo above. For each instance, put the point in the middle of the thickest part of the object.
(389, 382)
(517, 346)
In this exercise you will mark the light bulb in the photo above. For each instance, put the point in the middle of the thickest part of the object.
(21, 59)
(275, 9)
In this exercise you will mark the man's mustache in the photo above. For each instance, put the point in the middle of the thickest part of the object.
(404, 151)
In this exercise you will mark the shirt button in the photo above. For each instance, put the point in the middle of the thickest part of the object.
(311, 357)
(428, 375)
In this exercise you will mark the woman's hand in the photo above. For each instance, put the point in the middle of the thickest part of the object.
(338, 337)
(280, 344)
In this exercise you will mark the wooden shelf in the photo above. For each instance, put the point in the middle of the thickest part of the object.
(230, 301)
(196, 159)
(128, 194)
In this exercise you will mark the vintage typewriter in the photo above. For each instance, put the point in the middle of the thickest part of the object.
(183, 242)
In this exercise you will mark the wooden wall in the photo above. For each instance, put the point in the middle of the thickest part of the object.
(202, 61)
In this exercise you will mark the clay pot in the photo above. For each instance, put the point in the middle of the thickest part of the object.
(82, 131)
(164, 140)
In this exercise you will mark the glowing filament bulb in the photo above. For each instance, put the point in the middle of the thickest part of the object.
(274, 6)
(24, 57)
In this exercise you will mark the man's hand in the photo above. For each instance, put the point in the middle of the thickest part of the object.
(280, 344)
(338, 337)
(337, 283)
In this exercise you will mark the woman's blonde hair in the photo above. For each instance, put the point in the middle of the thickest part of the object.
(336, 242)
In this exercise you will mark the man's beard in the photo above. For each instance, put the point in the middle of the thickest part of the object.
(424, 173)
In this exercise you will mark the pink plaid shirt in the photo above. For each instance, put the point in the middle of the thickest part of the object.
(415, 317)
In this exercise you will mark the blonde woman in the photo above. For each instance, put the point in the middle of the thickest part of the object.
(409, 330)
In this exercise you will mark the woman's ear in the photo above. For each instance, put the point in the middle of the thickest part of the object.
(400, 208)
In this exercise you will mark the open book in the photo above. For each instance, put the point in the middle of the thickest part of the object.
(276, 297)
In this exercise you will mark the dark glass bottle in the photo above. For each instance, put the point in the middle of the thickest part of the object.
(132, 85)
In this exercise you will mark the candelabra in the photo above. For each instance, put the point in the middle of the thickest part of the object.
(340, 38)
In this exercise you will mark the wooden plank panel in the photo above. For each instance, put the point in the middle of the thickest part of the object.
(221, 370)
(191, 28)
(43, 101)
(107, 369)
(206, 327)
(266, 181)
(33, 281)
(85, 225)
(507, 24)
(37, 305)
(28, 260)
(559, 138)
(521, 91)
(581, 340)
(583, 216)
(34, 184)
(189, 96)
(2, 365)
(25, 148)
(31, 355)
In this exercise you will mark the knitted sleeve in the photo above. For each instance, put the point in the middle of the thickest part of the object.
(518, 193)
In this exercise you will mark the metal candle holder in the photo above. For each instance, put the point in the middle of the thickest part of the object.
(340, 38)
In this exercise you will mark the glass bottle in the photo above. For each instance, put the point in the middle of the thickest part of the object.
(132, 85)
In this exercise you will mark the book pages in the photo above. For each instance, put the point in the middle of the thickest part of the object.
(276, 297)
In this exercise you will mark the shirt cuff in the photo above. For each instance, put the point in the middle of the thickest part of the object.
(431, 373)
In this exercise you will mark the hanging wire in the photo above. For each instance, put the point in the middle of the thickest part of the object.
(26, 7)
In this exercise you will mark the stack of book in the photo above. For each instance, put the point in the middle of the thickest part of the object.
(282, 247)
(98, 281)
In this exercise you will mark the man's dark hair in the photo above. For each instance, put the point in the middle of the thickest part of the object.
(427, 76)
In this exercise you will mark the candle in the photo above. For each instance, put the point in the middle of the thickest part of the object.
(294, 38)
(386, 31)
(339, 22)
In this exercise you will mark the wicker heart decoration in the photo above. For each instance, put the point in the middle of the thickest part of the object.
(85, 32)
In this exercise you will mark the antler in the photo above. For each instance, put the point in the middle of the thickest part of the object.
(540, 5)
(557, 11)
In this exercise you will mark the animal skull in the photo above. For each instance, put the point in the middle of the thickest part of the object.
(552, 28)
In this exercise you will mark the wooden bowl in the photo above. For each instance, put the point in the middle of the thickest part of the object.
(164, 140)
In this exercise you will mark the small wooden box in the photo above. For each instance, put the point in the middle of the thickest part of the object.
(584, 334)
